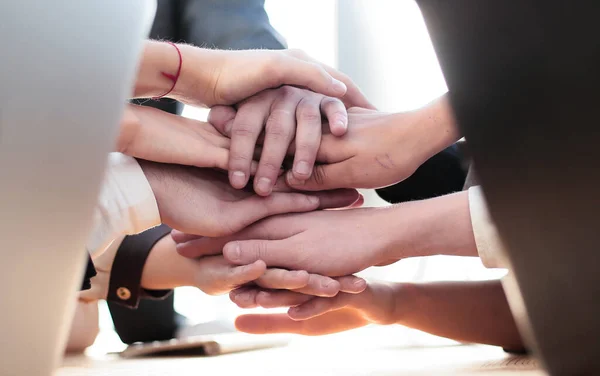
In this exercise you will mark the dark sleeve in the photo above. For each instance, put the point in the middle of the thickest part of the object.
(154, 317)
(126, 273)
(231, 24)
(90, 272)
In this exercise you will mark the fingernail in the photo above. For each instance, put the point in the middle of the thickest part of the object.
(291, 180)
(359, 282)
(327, 283)
(234, 252)
(302, 168)
(294, 310)
(339, 87)
(243, 297)
(340, 123)
(238, 179)
(313, 200)
(228, 126)
(264, 186)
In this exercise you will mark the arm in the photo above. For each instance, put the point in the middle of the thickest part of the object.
(475, 312)
(463, 311)
(210, 77)
(360, 238)
(84, 327)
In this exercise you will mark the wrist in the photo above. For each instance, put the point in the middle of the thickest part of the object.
(438, 226)
(436, 127)
(404, 298)
(157, 57)
(199, 75)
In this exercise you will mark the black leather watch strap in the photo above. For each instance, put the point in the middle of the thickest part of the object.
(126, 274)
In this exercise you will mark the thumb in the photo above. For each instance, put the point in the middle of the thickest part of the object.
(324, 177)
(221, 117)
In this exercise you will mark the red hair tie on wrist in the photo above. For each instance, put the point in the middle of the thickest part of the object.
(172, 77)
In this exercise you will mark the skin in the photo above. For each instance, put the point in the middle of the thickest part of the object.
(165, 270)
(361, 238)
(378, 149)
(277, 118)
(243, 78)
(212, 77)
(200, 201)
(463, 311)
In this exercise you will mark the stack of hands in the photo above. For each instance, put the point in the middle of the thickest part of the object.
(245, 193)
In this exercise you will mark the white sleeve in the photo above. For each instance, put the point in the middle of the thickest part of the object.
(126, 205)
(488, 242)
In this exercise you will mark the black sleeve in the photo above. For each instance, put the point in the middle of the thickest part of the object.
(151, 320)
(90, 272)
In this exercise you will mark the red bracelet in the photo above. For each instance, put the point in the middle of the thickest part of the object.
(170, 76)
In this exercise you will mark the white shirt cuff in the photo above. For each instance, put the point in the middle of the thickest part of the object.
(489, 245)
(126, 205)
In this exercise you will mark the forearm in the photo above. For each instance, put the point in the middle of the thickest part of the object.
(475, 312)
(160, 57)
(438, 226)
(438, 128)
(84, 327)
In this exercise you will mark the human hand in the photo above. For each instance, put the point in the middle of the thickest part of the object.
(154, 135)
(200, 201)
(287, 114)
(379, 149)
(164, 269)
(333, 243)
(377, 304)
(212, 77)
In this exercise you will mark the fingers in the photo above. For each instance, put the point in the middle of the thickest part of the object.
(245, 129)
(249, 210)
(333, 322)
(280, 130)
(324, 177)
(319, 285)
(308, 138)
(206, 246)
(280, 298)
(336, 115)
(319, 306)
(221, 117)
(244, 297)
(352, 284)
(201, 247)
(182, 237)
(296, 69)
(337, 198)
(267, 324)
(283, 279)
(353, 96)
(240, 275)
(277, 253)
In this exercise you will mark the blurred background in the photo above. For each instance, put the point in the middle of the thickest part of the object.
(384, 46)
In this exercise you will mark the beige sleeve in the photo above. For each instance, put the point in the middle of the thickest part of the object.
(489, 245)
(126, 205)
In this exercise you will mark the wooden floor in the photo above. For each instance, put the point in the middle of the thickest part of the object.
(347, 354)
